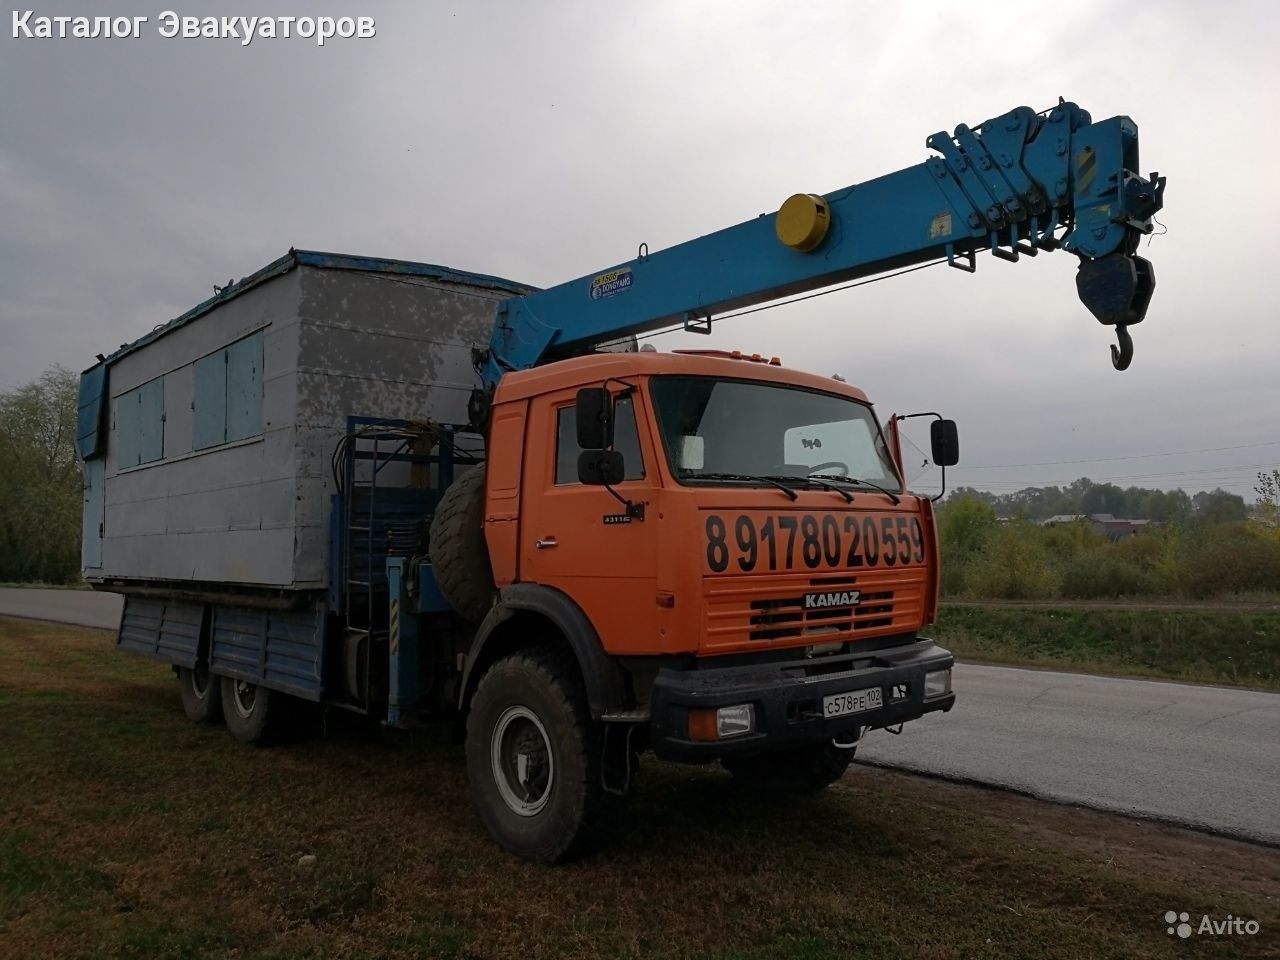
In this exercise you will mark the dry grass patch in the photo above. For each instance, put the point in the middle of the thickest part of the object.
(126, 831)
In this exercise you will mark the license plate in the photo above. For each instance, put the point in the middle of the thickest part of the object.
(856, 701)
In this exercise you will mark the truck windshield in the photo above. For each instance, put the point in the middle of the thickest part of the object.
(736, 430)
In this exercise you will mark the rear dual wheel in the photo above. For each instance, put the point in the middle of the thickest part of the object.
(249, 710)
(201, 694)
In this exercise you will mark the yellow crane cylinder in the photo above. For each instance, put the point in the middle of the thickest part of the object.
(802, 221)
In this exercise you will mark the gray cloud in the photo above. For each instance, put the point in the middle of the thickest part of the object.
(544, 141)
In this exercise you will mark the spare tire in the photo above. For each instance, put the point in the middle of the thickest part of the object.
(459, 554)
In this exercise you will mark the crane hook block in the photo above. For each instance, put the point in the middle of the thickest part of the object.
(1117, 290)
(802, 221)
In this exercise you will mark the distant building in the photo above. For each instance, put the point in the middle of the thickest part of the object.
(1061, 518)
(1113, 528)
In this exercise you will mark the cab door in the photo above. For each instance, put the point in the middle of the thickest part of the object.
(579, 539)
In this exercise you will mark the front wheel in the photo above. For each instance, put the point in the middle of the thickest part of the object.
(806, 769)
(535, 758)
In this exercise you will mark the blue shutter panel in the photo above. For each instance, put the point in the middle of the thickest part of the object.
(127, 430)
(140, 425)
(244, 388)
(209, 409)
(92, 399)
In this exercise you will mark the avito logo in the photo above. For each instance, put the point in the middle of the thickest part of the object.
(1179, 923)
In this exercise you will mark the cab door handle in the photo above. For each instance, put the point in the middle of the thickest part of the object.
(546, 543)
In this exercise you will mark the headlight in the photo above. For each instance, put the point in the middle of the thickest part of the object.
(722, 723)
(734, 721)
(937, 683)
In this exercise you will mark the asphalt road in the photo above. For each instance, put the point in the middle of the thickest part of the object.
(1206, 757)
(84, 608)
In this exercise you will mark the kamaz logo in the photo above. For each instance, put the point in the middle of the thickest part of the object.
(833, 598)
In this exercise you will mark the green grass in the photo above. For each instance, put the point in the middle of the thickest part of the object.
(126, 831)
(1235, 648)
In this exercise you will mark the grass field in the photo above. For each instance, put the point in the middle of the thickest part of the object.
(126, 831)
(1202, 643)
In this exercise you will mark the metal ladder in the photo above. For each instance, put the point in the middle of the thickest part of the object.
(364, 576)
(359, 620)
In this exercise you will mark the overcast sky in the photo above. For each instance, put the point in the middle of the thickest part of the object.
(542, 141)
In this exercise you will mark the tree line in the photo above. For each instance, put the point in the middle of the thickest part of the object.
(1210, 549)
(40, 489)
(1084, 497)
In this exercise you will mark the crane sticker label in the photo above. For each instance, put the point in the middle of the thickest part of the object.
(611, 283)
(805, 541)
(940, 226)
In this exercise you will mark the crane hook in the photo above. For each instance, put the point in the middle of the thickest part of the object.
(1122, 357)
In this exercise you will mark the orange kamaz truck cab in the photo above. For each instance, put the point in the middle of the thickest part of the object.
(757, 576)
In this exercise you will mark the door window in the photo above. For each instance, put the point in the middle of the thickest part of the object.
(626, 440)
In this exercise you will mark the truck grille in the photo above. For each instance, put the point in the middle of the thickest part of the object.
(748, 611)
(780, 619)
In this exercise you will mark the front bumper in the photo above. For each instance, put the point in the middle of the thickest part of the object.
(787, 696)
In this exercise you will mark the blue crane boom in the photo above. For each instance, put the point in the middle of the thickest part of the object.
(1016, 185)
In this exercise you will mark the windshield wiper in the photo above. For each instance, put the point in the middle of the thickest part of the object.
(819, 480)
(789, 491)
(862, 483)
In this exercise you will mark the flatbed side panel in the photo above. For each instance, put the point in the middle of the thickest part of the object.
(140, 626)
(293, 652)
(280, 650)
(180, 629)
(165, 630)
(237, 642)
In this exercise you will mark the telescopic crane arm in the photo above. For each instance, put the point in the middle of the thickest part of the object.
(1016, 185)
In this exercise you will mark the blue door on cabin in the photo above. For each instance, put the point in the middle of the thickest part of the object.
(94, 510)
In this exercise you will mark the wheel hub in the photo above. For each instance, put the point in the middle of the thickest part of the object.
(244, 696)
(521, 761)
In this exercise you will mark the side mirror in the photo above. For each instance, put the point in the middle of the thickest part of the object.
(601, 467)
(945, 442)
(595, 419)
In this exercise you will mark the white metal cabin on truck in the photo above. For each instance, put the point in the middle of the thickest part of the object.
(208, 448)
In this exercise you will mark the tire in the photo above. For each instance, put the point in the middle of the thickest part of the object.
(535, 761)
(806, 769)
(459, 554)
(250, 710)
(201, 694)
